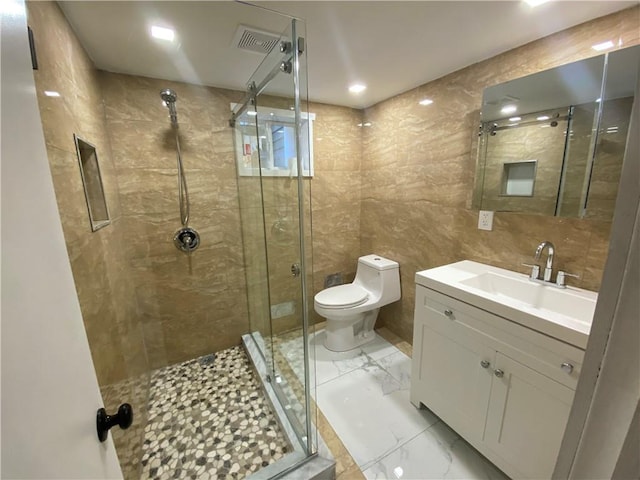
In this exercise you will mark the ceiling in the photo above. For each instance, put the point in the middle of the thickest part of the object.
(391, 46)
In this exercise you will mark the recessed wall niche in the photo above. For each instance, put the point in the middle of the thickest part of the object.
(92, 183)
(518, 178)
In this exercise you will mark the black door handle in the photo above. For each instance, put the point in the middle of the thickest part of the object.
(124, 419)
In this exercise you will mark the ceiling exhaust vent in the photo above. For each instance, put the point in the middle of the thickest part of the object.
(255, 40)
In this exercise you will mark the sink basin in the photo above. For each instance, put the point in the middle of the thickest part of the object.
(535, 295)
(565, 314)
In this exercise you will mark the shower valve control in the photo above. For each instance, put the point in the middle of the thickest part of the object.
(186, 239)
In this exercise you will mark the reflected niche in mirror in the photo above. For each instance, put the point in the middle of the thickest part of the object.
(553, 143)
(266, 142)
(92, 182)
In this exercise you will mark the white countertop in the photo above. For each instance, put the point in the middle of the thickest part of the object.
(570, 322)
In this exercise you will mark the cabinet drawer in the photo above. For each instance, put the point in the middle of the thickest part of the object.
(553, 358)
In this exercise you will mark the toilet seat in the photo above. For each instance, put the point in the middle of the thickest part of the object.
(342, 296)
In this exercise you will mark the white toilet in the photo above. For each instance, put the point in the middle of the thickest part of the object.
(351, 310)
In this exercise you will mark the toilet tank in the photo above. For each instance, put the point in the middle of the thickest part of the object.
(380, 276)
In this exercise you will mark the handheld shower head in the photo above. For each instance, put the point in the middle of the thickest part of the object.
(168, 95)
(169, 98)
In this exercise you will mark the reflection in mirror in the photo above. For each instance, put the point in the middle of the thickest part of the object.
(599, 187)
(92, 182)
(266, 142)
(552, 143)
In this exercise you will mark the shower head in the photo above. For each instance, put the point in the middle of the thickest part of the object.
(168, 95)
(169, 98)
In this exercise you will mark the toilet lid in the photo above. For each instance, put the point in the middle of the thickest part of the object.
(342, 296)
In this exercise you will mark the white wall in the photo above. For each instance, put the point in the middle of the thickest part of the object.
(49, 390)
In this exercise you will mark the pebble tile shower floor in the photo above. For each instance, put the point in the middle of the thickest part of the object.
(209, 419)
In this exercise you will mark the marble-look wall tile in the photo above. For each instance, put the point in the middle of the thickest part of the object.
(336, 193)
(191, 304)
(418, 174)
(97, 259)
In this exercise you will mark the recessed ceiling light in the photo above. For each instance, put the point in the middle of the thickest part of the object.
(543, 117)
(602, 46)
(51, 93)
(367, 124)
(535, 3)
(426, 101)
(253, 113)
(357, 88)
(515, 119)
(162, 33)
(359, 124)
(508, 109)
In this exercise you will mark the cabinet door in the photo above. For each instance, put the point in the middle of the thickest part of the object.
(527, 416)
(450, 380)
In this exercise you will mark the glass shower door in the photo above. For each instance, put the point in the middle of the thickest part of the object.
(274, 164)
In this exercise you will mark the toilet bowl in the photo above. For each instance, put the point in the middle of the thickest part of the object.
(351, 310)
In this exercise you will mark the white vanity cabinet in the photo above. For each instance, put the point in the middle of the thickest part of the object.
(505, 388)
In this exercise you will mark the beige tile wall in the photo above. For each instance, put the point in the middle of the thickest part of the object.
(417, 174)
(190, 305)
(97, 258)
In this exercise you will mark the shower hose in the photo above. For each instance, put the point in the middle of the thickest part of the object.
(183, 192)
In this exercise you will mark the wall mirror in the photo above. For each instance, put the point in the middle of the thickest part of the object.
(266, 143)
(92, 182)
(552, 143)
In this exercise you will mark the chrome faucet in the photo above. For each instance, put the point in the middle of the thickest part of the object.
(549, 266)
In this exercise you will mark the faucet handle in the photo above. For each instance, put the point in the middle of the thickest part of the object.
(561, 279)
(535, 271)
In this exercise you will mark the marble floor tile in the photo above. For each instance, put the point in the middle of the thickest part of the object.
(371, 413)
(437, 453)
(364, 395)
(378, 348)
(328, 364)
(398, 365)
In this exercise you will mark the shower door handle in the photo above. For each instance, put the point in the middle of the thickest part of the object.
(295, 269)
